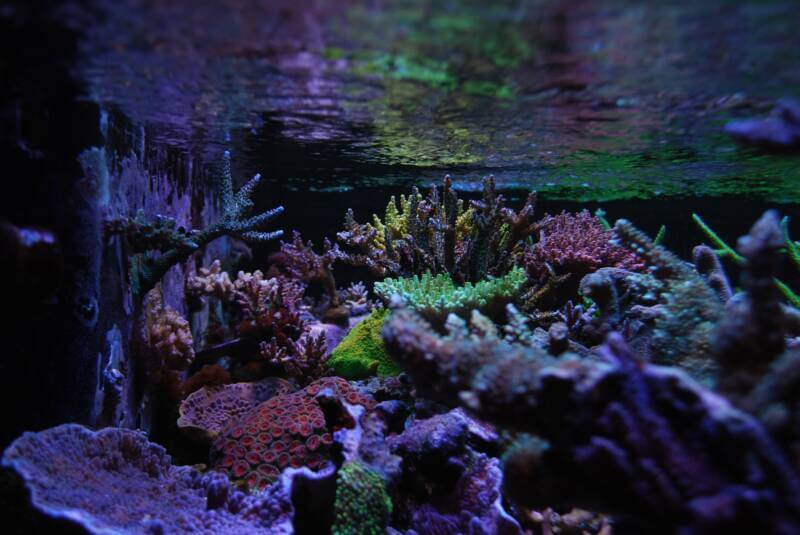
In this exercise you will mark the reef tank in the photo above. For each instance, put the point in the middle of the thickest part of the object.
(360, 267)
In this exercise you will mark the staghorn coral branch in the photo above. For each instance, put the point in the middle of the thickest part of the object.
(235, 207)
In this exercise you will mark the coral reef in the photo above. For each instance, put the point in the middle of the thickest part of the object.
(290, 430)
(450, 486)
(167, 337)
(362, 505)
(575, 244)
(115, 481)
(437, 296)
(176, 245)
(362, 352)
(300, 262)
(208, 410)
(641, 441)
(688, 310)
(437, 234)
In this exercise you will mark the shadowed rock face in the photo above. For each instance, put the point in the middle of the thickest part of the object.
(599, 100)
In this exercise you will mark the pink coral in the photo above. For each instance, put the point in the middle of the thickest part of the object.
(167, 335)
(575, 244)
(285, 431)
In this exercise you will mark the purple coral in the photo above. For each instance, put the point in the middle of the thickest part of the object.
(619, 436)
(115, 481)
(575, 244)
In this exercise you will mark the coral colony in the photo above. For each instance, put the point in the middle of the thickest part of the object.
(495, 371)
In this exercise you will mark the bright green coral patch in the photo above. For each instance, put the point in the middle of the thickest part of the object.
(362, 505)
(362, 352)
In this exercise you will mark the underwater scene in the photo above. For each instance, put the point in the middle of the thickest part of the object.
(406, 267)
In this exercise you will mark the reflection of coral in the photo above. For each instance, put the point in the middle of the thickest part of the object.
(115, 481)
(285, 431)
(437, 296)
(208, 410)
(234, 222)
(641, 440)
(362, 504)
(168, 336)
(362, 352)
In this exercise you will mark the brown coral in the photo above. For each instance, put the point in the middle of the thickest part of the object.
(167, 336)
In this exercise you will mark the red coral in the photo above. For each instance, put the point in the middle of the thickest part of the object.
(575, 244)
(287, 430)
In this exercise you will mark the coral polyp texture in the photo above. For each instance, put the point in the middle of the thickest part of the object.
(115, 481)
(437, 296)
(208, 410)
(290, 430)
(167, 336)
(363, 506)
(642, 441)
(361, 353)
(575, 244)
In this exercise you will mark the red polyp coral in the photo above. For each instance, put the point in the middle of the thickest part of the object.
(575, 244)
(289, 430)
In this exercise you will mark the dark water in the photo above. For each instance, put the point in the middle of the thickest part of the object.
(581, 100)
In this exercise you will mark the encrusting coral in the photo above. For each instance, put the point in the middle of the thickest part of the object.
(638, 440)
(362, 505)
(362, 352)
(209, 409)
(115, 481)
(176, 244)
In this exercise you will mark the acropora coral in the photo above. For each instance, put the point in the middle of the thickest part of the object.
(362, 352)
(363, 506)
(438, 234)
(639, 440)
(436, 296)
(176, 244)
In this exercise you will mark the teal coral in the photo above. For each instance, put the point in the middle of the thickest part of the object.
(363, 506)
(362, 352)
(437, 296)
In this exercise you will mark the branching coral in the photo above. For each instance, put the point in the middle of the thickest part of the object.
(619, 436)
(362, 352)
(575, 244)
(287, 430)
(301, 263)
(176, 245)
(437, 234)
(362, 505)
(167, 337)
(436, 296)
(304, 360)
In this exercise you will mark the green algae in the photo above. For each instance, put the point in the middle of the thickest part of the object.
(362, 506)
(362, 352)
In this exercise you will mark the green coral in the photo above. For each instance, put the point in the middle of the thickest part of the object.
(362, 352)
(437, 296)
(362, 506)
